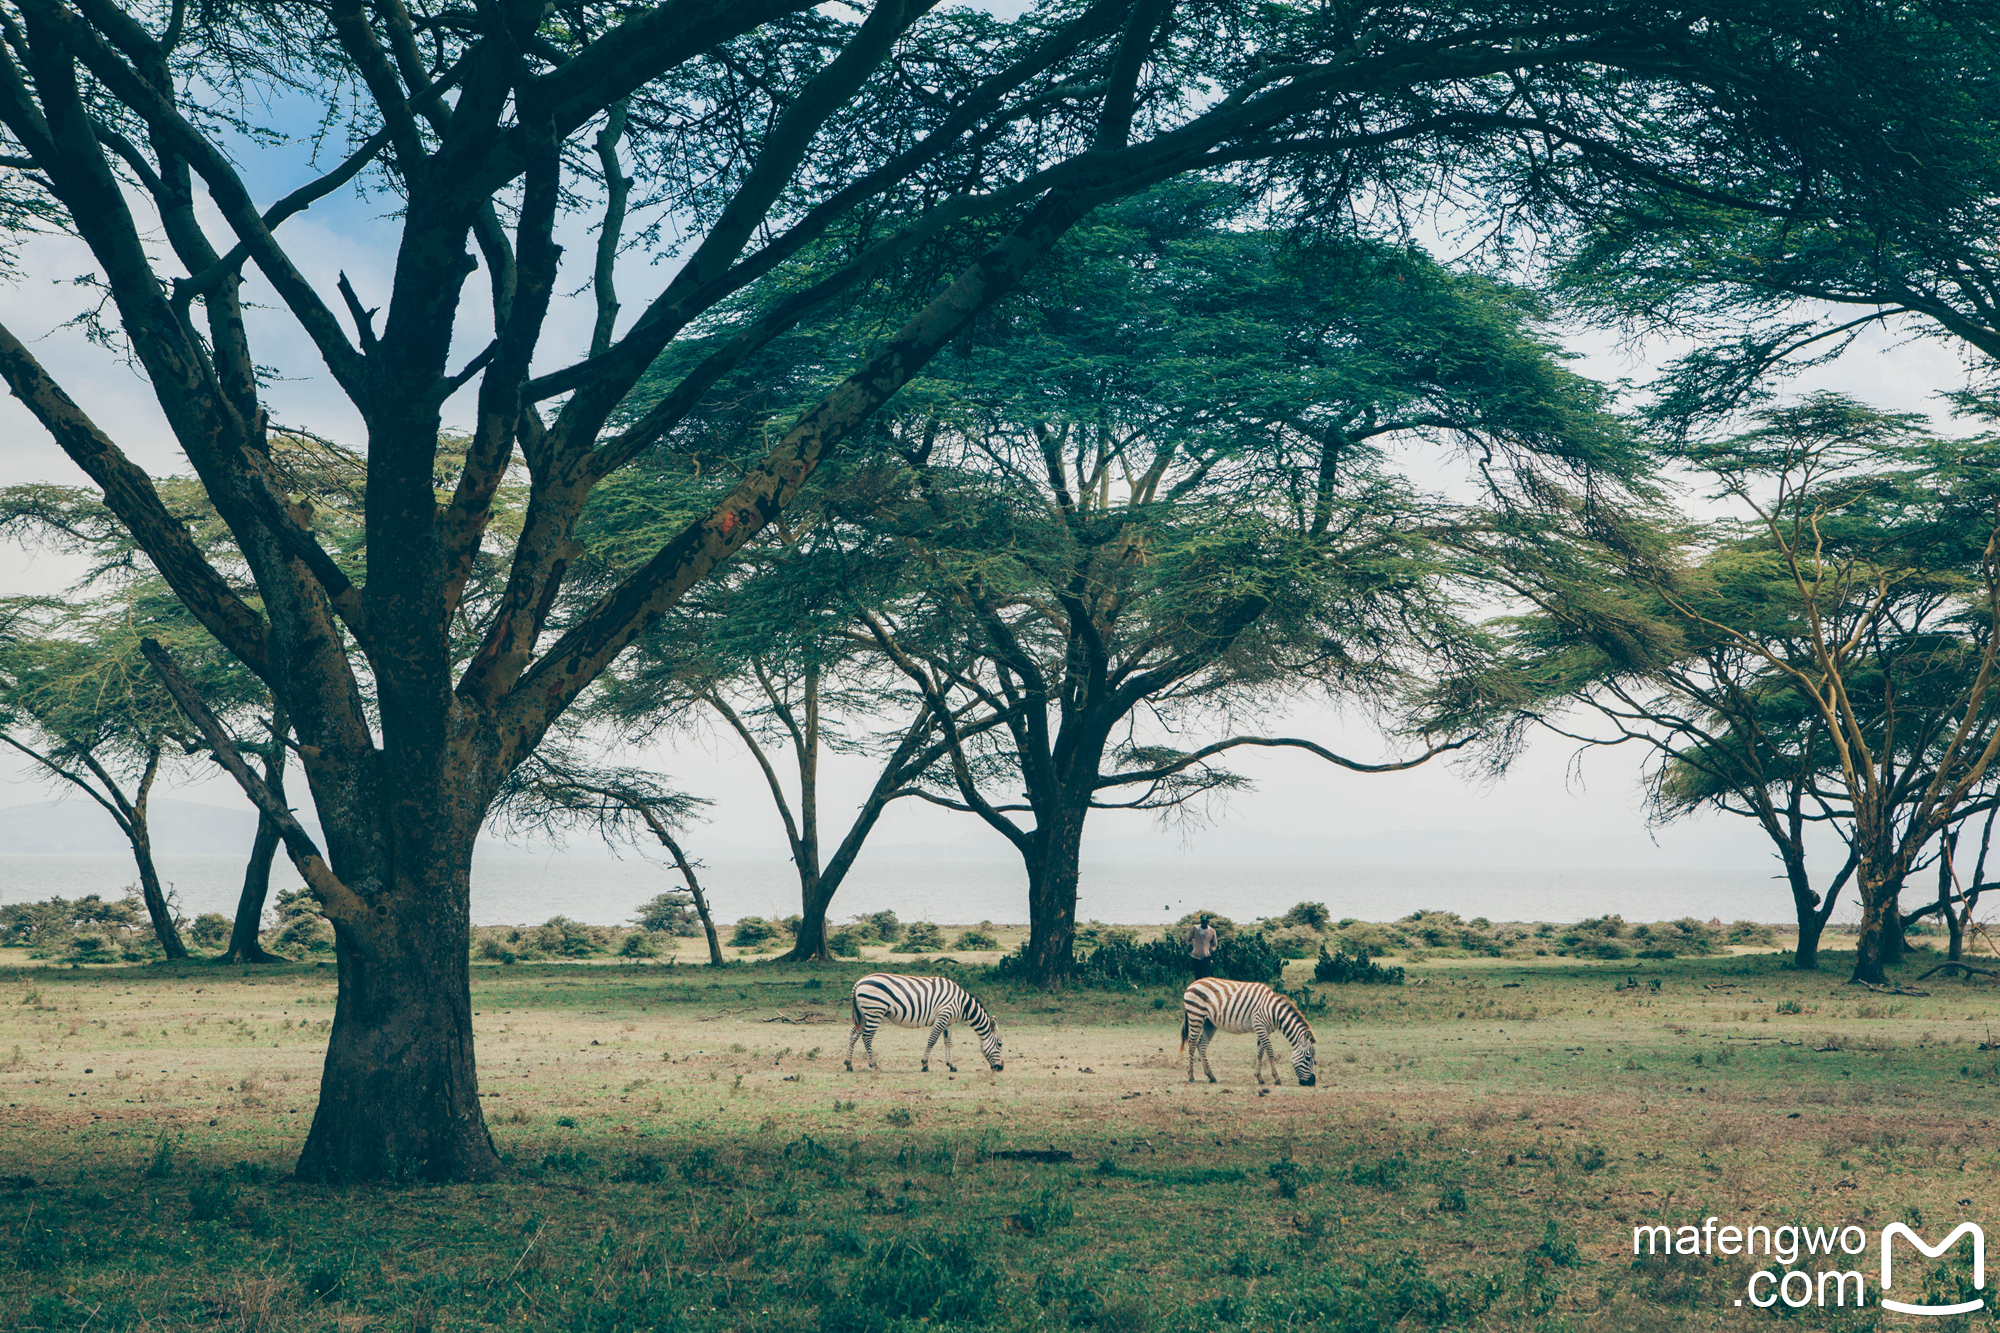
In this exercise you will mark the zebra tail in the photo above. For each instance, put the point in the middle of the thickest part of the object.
(1184, 1029)
(854, 1000)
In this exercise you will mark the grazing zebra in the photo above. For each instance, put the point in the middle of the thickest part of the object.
(919, 1002)
(1213, 1005)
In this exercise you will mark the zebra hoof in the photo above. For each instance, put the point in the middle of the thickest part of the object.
(850, 1066)
(926, 1066)
(1211, 1078)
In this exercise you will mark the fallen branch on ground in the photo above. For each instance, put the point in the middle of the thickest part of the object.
(1966, 968)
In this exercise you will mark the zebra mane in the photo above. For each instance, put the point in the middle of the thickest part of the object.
(975, 1014)
(1287, 1009)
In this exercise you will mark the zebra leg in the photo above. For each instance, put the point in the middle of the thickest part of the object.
(946, 1030)
(1207, 1035)
(852, 1037)
(1192, 1042)
(935, 1031)
(1264, 1049)
(868, 1044)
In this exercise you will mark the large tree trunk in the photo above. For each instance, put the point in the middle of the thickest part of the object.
(1878, 916)
(244, 946)
(399, 1095)
(1894, 943)
(1806, 909)
(150, 892)
(816, 896)
(1053, 867)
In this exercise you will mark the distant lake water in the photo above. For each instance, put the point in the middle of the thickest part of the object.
(519, 890)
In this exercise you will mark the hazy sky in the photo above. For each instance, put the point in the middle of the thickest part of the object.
(1294, 793)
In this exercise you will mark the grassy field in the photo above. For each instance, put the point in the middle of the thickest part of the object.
(688, 1152)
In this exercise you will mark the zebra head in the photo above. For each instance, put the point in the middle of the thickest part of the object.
(989, 1033)
(1304, 1044)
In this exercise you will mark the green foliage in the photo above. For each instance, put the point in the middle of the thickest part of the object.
(1126, 963)
(210, 930)
(1313, 915)
(1340, 969)
(639, 944)
(669, 914)
(301, 928)
(921, 937)
(561, 937)
(752, 931)
(924, 1276)
(46, 926)
(979, 937)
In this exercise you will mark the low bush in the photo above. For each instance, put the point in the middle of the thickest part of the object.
(669, 914)
(921, 937)
(210, 930)
(563, 938)
(1342, 969)
(639, 944)
(979, 937)
(752, 931)
(1130, 963)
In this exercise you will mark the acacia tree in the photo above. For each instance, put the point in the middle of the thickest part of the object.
(763, 132)
(766, 653)
(78, 701)
(1163, 490)
(555, 791)
(1606, 662)
(1835, 643)
(75, 521)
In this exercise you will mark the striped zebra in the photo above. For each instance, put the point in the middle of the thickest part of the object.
(1213, 1005)
(919, 1002)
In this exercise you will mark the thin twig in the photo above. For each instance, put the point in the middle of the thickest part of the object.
(524, 1253)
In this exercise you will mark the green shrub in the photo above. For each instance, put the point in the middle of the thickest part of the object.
(639, 944)
(303, 934)
(1129, 964)
(921, 937)
(752, 931)
(1294, 941)
(669, 914)
(1313, 916)
(887, 927)
(1749, 933)
(1095, 934)
(846, 942)
(564, 938)
(979, 937)
(92, 948)
(1340, 968)
(210, 930)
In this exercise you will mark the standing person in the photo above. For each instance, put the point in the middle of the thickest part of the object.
(1201, 946)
